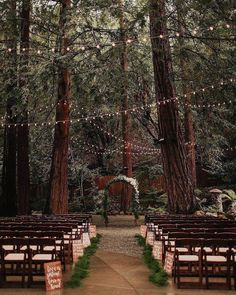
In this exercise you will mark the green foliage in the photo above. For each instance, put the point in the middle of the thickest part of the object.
(230, 193)
(154, 201)
(157, 274)
(81, 268)
(159, 278)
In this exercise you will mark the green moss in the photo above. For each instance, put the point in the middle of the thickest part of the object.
(157, 276)
(81, 268)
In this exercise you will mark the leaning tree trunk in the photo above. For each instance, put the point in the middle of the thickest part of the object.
(188, 115)
(23, 171)
(126, 124)
(58, 203)
(176, 170)
(9, 199)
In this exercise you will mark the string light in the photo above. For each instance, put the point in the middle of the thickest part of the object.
(88, 46)
(131, 110)
(89, 148)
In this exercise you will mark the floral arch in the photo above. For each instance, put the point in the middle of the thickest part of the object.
(135, 199)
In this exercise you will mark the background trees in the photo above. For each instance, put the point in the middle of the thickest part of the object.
(92, 56)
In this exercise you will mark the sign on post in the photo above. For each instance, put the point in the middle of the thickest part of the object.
(150, 238)
(157, 250)
(53, 276)
(78, 249)
(169, 261)
(143, 230)
(86, 240)
(92, 231)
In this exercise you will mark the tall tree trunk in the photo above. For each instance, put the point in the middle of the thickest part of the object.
(9, 199)
(58, 203)
(188, 115)
(23, 171)
(176, 170)
(126, 124)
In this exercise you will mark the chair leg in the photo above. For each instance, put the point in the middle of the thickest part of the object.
(234, 272)
(200, 270)
(23, 275)
(30, 276)
(206, 276)
(174, 272)
(178, 275)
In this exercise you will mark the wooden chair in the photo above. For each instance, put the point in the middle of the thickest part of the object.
(38, 257)
(188, 264)
(216, 264)
(15, 262)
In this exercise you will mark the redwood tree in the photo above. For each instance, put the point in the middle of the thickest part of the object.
(188, 115)
(23, 171)
(176, 170)
(9, 199)
(58, 202)
(126, 124)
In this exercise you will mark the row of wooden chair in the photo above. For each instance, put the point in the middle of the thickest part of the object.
(27, 242)
(203, 248)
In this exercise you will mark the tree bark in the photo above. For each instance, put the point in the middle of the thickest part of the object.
(59, 169)
(9, 198)
(188, 115)
(23, 171)
(177, 175)
(126, 124)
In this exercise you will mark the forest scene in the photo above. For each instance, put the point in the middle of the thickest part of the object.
(118, 134)
(91, 89)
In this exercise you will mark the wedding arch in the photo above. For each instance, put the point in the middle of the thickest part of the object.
(135, 197)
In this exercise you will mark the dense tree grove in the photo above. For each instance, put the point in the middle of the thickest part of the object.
(94, 87)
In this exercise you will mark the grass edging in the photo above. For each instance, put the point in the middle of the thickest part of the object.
(157, 275)
(81, 268)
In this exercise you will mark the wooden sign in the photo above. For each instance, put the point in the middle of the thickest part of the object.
(53, 276)
(157, 250)
(154, 250)
(169, 261)
(92, 231)
(150, 238)
(78, 249)
(143, 230)
(86, 240)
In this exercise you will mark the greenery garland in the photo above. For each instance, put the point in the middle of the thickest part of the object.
(81, 269)
(135, 200)
(158, 275)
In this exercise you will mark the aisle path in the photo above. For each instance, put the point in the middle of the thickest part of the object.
(117, 267)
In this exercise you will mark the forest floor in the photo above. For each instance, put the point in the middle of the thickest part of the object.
(117, 267)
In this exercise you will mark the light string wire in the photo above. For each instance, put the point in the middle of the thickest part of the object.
(131, 110)
(129, 41)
